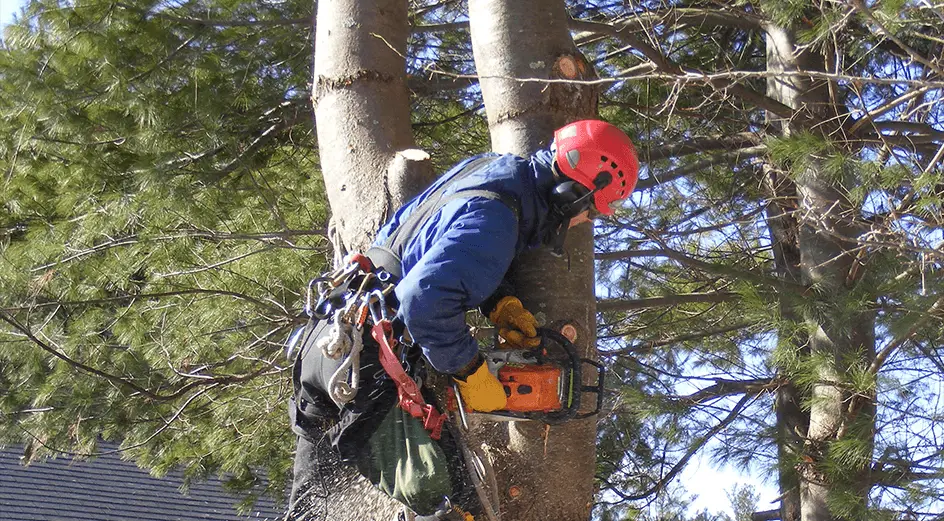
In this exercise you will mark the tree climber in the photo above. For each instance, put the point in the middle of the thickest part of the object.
(448, 250)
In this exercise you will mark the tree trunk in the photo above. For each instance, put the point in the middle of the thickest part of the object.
(362, 114)
(840, 339)
(543, 474)
(792, 421)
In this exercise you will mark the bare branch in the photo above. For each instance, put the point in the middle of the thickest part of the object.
(737, 141)
(672, 300)
(722, 388)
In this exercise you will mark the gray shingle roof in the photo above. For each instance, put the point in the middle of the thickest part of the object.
(109, 489)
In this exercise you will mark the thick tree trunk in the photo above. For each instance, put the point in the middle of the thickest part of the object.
(544, 474)
(362, 114)
(839, 339)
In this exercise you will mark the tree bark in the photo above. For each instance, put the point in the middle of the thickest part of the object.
(543, 473)
(839, 339)
(362, 113)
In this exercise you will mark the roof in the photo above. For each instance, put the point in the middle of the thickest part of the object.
(107, 488)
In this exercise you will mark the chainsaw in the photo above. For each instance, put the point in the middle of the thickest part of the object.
(544, 383)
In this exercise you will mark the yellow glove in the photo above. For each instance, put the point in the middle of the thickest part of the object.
(482, 391)
(515, 323)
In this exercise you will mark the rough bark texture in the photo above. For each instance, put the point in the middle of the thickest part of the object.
(362, 114)
(839, 338)
(550, 471)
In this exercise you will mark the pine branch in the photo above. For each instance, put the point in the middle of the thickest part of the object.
(666, 65)
(730, 142)
(684, 171)
(206, 22)
(934, 312)
(692, 450)
(210, 235)
(860, 6)
(720, 269)
(606, 305)
(120, 382)
(646, 346)
(137, 296)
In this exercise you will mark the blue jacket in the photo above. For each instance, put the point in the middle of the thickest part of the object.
(460, 256)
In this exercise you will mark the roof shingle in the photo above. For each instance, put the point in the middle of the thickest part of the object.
(108, 488)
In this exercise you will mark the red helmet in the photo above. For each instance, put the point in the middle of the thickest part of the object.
(600, 157)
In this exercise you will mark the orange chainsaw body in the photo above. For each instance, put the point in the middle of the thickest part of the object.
(531, 388)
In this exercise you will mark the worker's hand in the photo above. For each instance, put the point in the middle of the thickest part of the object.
(481, 391)
(515, 324)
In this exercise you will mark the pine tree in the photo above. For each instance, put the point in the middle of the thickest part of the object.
(158, 222)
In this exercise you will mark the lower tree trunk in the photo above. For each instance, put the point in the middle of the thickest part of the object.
(362, 113)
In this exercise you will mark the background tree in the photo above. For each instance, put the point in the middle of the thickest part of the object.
(158, 221)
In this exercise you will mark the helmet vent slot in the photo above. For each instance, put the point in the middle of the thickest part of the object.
(620, 173)
(604, 159)
(613, 165)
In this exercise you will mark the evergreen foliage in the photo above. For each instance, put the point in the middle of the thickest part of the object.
(160, 217)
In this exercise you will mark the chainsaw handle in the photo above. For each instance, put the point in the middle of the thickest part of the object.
(598, 388)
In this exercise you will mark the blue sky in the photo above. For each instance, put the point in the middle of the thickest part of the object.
(7, 9)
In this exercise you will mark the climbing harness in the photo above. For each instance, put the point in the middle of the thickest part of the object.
(350, 297)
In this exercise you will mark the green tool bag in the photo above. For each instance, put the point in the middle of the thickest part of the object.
(406, 464)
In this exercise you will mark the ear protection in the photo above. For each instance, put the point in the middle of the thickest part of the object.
(569, 199)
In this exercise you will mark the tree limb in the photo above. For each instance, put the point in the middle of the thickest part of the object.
(704, 266)
(671, 300)
(645, 346)
(667, 177)
(737, 141)
(680, 464)
(121, 382)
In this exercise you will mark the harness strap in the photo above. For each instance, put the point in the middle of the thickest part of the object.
(411, 400)
(390, 254)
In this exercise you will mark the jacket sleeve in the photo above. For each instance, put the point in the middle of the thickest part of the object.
(456, 273)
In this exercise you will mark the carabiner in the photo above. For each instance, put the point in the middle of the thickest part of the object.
(377, 304)
(308, 293)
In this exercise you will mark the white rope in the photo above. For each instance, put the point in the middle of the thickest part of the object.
(338, 341)
(343, 385)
